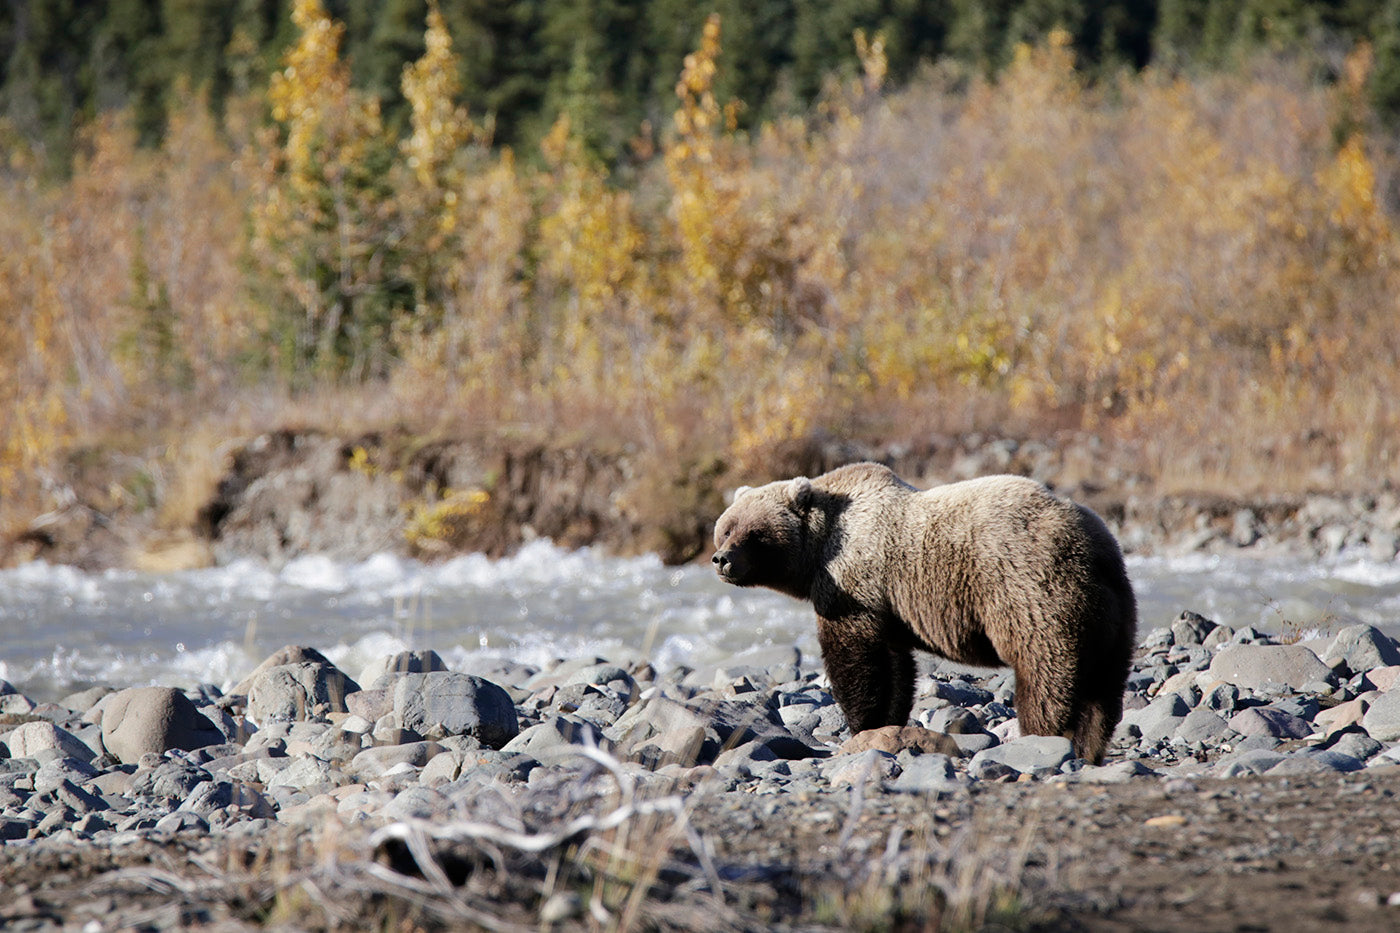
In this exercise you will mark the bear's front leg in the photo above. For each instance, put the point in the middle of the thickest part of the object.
(872, 679)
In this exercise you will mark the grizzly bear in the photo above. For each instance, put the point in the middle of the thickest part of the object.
(991, 571)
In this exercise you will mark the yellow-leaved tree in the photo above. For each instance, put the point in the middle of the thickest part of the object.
(321, 243)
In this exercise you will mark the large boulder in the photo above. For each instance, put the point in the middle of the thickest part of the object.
(154, 719)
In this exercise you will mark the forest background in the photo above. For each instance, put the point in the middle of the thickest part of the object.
(700, 234)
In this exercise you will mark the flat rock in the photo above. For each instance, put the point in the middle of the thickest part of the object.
(1263, 720)
(447, 703)
(1030, 754)
(1254, 666)
(145, 720)
(1119, 772)
(1317, 761)
(1251, 761)
(926, 773)
(895, 739)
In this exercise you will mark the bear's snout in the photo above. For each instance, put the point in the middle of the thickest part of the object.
(729, 565)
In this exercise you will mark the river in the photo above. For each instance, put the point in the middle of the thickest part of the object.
(62, 629)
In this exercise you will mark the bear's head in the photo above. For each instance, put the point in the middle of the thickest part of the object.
(761, 539)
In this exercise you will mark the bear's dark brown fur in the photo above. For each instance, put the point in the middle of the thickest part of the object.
(989, 571)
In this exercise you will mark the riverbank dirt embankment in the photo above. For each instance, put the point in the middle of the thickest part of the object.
(287, 493)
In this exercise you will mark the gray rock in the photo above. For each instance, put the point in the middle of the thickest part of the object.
(416, 803)
(308, 774)
(372, 762)
(89, 825)
(1317, 761)
(1191, 628)
(1363, 648)
(208, 797)
(446, 703)
(602, 675)
(32, 738)
(556, 739)
(168, 780)
(1254, 666)
(381, 672)
(83, 700)
(1117, 773)
(54, 773)
(1358, 746)
(954, 720)
(1251, 761)
(928, 773)
(181, 821)
(1222, 698)
(12, 828)
(1382, 720)
(288, 654)
(1202, 725)
(490, 765)
(145, 720)
(960, 693)
(1266, 720)
(1157, 720)
(306, 690)
(972, 743)
(1030, 754)
(371, 705)
(774, 664)
(76, 799)
(862, 767)
(683, 745)
(599, 705)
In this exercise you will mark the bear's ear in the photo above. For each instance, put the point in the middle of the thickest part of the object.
(800, 493)
(737, 493)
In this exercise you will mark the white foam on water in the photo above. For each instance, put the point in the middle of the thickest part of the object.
(61, 629)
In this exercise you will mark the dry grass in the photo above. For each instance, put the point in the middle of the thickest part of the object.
(1196, 270)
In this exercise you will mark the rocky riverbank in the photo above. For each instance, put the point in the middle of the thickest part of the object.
(287, 493)
(609, 794)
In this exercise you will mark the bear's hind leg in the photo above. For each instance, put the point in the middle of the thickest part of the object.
(1094, 731)
(1043, 702)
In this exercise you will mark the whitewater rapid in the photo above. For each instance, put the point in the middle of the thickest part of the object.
(62, 629)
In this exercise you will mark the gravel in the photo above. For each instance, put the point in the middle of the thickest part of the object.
(295, 751)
